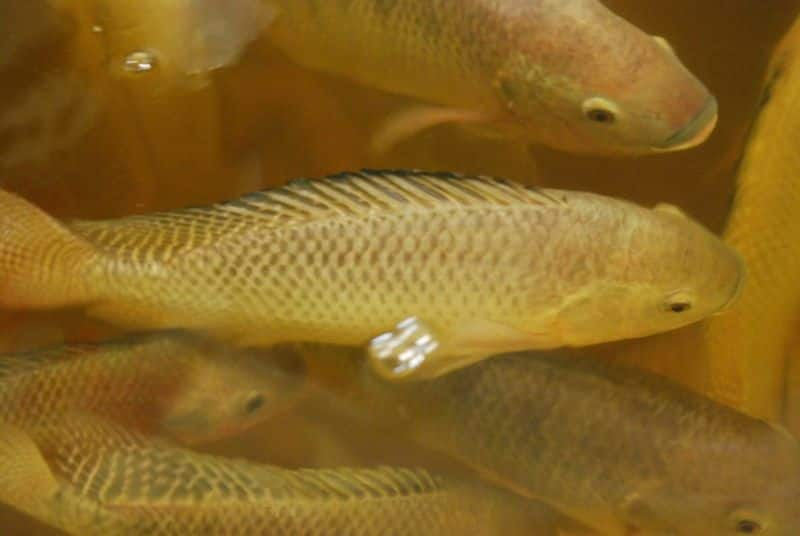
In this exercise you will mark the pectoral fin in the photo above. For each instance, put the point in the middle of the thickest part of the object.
(414, 350)
(411, 121)
(400, 353)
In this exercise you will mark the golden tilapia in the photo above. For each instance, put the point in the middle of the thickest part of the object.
(151, 487)
(616, 448)
(167, 384)
(747, 348)
(566, 73)
(482, 265)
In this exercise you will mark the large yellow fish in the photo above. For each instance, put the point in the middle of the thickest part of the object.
(566, 73)
(482, 265)
(151, 487)
(621, 450)
(166, 384)
(747, 347)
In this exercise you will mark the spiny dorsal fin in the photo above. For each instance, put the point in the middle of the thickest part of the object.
(387, 191)
(25, 362)
(28, 361)
(164, 235)
(376, 483)
(116, 467)
(170, 476)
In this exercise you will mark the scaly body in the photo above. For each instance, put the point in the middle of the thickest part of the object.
(570, 74)
(489, 265)
(154, 488)
(171, 384)
(748, 347)
(615, 447)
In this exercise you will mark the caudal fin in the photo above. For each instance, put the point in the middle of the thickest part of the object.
(28, 484)
(26, 481)
(42, 264)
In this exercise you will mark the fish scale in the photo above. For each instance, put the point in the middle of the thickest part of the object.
(526, 70)
(490, 265)
(166, 383)
(615, 447)
(149, 486)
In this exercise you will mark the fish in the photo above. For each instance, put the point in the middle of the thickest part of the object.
(168, 384)
(212, 34)
(28, 484)
(153, 487)
(747, 347)
(568, 74)
(189, 39)
(481, 265)
(621, 450)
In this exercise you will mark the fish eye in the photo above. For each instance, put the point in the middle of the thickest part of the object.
(748, 526)
(680, 307)
(254, 403)
(600, 110)
(745, 522)
(680, 302)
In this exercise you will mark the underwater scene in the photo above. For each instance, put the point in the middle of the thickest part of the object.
(400, 267)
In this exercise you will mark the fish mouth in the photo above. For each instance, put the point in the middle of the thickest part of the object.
(694, 132)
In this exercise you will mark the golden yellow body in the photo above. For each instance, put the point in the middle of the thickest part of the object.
(489, 265)
(87, 468)
(748, 346)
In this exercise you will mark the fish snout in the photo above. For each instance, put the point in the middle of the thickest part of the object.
(695, 132)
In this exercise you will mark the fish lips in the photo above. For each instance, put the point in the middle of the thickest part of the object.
(694, 132)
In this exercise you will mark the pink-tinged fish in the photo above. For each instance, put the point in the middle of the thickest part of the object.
(569, 74)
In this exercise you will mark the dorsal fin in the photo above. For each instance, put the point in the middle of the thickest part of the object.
(118, 467)
(164, 235)
(27, 361)
(356, 193)
(23, 362)
(387, 191)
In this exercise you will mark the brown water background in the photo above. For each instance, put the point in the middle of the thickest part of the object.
(83, 138)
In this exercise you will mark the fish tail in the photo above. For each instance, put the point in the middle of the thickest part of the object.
(42, 263)
(28, 484)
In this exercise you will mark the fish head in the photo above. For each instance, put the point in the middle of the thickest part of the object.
(231, 390)
(735, 488)
(720, 515)
(611, 89)
(660, 271)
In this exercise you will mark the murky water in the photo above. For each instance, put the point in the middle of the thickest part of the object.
(93, 123)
